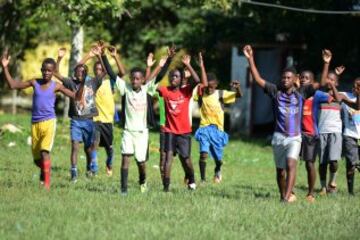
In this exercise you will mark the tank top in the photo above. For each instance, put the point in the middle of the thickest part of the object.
(43, 102)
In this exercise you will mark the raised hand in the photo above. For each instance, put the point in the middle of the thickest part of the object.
(326, 55)
(112, 51)
(201, 60)
(163, 61)
(235, 84)
(186, 59)
(187, 73)
(5, 60)
(95, 51)
(150, 60)
(339, 70)
(248, 52)
(61, 52)
(171, 51)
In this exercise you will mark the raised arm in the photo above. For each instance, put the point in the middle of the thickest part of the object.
(158, 69)
(249, 54)
(67, 92)
(149, 63)
(97, 52)
(237, 87)
(61, 54)
(326, 56)
(204, 80)
(119, 64)
(12, 83)
(186, 61)
(171, 53)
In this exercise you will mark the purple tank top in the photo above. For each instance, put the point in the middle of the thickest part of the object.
(43, 103)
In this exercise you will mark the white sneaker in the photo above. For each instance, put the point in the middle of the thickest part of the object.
(192, 186)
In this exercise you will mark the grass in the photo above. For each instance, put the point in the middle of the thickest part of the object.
(245, 206)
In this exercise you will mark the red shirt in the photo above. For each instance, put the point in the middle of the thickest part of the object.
(177, 109)
(307, 121)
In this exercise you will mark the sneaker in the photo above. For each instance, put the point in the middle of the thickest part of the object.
(310, 198)
(323, 192)
(192, 186)
(332, 188)
(74, 174)
(143, 188)
(292, 198)
(109, 171)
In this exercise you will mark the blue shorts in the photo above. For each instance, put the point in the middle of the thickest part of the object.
(212, 140)
(83, 131)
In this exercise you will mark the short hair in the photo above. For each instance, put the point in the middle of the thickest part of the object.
(82, 65)
(97, 63)
(49, 61)
(290, 69)
(333, 72)
(309, 72)
(211, 77)
(137, 69)
(180, 70)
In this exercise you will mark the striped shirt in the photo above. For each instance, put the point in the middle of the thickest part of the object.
(287, 110)
(330, 118)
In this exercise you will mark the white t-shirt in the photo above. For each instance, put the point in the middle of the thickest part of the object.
(351, 119)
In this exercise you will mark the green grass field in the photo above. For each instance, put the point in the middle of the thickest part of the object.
(244, 206)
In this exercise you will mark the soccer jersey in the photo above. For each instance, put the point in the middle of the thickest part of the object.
(330, 118)
(135, 104)
(105, 104)
(177, 109)
(211, 111)
(310, 112)
(287, 109)
(351, 119)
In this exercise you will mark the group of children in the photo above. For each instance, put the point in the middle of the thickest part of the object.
(312, 119)
(92, 110)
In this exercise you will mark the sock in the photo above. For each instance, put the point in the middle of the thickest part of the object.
(191, 178)
(46, 171)
(217, 167)
(142, 178)
(73, 171)
(93, 164)
(350, 183)
(202, 166)
(109, 158)
(166, 183)
(124, 179)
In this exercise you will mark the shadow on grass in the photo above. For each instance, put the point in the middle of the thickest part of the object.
(240, 191)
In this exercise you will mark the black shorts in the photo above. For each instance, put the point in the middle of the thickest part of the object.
(178, 144)
(309, 148)
(351, 150)
(104, 134)
(162, 141)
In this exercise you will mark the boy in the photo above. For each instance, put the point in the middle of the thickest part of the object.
(177, 126)
(287, 103)
(43, 113)
(81, 112)
(211, 136)
(310, 133)
(330, 130)
(135, 138)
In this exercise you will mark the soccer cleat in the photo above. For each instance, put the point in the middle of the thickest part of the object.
(310, 198)
(192, 186)
(143, 188)
(332, 188)
(109, 171)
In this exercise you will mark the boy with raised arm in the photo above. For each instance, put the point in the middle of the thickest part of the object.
(43, 120)
(286, 142)
(177, 126)
(210, 135)
(82, 111)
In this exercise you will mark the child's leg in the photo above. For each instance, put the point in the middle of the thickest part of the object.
(189, 169)
(162, 154)
(109, 156)
(73, 159)
(350, 173)
(322, 174)
(46, 168)
(290, 177)
(167, 168)
(281, 182)
(352, 157)
(333, 167)
(142, 172)
(125, 161)
(202, 165)
(323, 160)
(183, 148)
(335, 149)
(311, 176)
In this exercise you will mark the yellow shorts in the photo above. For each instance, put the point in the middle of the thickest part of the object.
(42, 137)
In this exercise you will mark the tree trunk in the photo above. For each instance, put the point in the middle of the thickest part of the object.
(77, 44)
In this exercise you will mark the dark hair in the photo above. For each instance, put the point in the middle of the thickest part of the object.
(49, 61)
(309, 72)
(97, 63)
(211, 76)
(136, 69)
(180, 70)
(290, 69)
(333, 72)
(84, 66)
